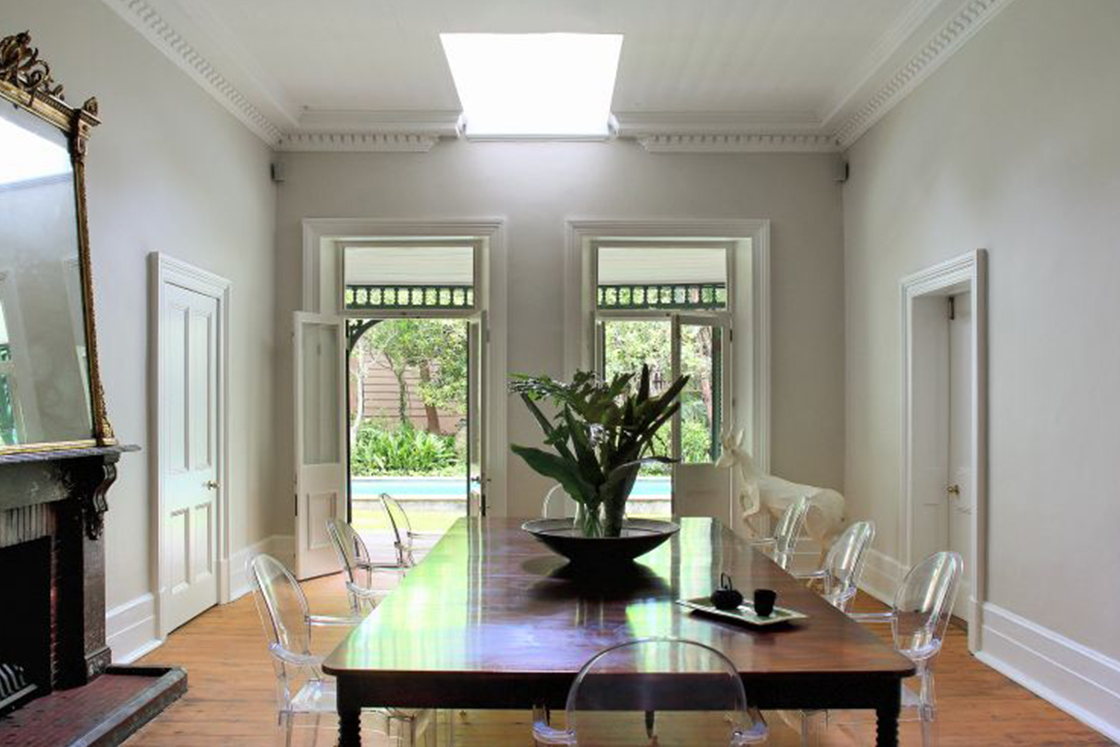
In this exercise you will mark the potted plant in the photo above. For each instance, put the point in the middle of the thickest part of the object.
(600, 436)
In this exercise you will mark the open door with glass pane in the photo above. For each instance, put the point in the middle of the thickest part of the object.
(701, 351)
(320, 489)
(478, 337)
(666, 304)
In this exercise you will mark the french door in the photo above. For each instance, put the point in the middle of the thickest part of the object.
(676, 344)
(320, 439)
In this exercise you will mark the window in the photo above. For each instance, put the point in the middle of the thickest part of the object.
(409, 276)
(534, 85)
(666, 304)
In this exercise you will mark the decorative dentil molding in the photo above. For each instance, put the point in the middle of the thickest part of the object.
(355, 142)
(790, 142)
(147, 20)
(943, 44)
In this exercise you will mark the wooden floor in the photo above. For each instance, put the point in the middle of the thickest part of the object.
(231, 696)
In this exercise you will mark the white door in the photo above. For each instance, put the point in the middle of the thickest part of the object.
(478, 338)
(320, 439)
(960, 482)
(700, 350)
(189, 329)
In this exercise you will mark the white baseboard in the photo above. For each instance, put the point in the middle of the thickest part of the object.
(1082, 682)
(881, 576)
(130, 629)
(280, 546)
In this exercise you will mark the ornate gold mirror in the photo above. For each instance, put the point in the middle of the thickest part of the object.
(50, 386)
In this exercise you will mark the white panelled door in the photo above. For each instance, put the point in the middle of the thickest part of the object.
(477, 340)
(962, 485)
(320, 443)
(189, 442)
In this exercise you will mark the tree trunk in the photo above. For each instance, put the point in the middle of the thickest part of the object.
(430, 412)
(402, 397)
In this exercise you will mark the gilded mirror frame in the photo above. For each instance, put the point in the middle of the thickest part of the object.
(26, 82)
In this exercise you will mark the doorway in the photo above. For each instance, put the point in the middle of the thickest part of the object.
(408, 424)
(190, 307)
(944, 407)
(665, 305)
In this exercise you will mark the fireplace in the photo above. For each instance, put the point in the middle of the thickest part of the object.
(25, 647)
(53, 657)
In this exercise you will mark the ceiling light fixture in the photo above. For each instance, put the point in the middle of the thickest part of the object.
(534, 85)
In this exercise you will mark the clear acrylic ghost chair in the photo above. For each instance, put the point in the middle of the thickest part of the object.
(557, 504)
(782, 543)
(406, 541)
(918, 618)
(358, 567)
(619, 698)
(843, 565)
(302, 687)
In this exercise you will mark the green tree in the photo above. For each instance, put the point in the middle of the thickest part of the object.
(435, 348)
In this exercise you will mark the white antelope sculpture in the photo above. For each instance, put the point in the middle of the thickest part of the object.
(759, 490)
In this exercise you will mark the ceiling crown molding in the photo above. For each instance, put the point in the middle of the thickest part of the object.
(941, 45)
(147, 20)
(355, 142)
(787, 142)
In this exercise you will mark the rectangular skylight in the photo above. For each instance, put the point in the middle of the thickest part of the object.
(534, 85)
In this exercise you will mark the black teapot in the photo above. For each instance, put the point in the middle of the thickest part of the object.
(726, 597)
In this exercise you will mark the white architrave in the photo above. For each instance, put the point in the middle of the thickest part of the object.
(752, 327)
(321, 233)
(966, 272)
(164, 271)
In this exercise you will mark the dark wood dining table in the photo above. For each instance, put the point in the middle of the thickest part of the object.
(491, 619)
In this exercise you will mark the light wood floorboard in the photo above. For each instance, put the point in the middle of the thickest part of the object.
(231, 696)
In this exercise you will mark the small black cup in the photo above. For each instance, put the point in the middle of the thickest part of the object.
(764, 601)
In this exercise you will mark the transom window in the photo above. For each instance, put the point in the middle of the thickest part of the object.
(410, 275)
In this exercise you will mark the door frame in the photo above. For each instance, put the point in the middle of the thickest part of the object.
(966, 273)
(165, 271)
(323, 236)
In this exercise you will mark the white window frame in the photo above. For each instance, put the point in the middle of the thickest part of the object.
(748, 304)
(322, 289)
(465, 312)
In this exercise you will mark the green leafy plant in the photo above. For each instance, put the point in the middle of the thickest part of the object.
(600, 437)
(403, 451)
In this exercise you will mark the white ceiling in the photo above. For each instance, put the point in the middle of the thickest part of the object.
(811, 72)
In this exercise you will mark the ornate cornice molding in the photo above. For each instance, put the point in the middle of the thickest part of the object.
(788, 142)
(941, 46)
(147, 20)
(355, 142)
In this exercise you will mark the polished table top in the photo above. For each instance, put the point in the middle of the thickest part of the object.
(490, 618)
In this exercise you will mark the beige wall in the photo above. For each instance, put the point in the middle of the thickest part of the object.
(169, 171)
(537, 186)
(1010, 146)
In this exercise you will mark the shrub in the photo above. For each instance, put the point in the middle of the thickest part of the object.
(404, 451)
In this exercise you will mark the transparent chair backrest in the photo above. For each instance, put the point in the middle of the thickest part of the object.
(924, 603)
(618, 697)
(555, 504)
(284, 614)
(398, 522)
(788, 530)
(349, 547)
(844, 562)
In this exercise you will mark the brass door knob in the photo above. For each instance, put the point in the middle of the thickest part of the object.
(955, 490)
(212, 484)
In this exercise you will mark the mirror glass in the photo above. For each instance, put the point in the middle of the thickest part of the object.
(44, 377)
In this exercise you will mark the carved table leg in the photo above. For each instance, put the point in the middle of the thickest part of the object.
(349, 728)
(887, 727)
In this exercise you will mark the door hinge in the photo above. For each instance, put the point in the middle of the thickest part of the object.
(731, 335)
(952, 308)
(296, 502)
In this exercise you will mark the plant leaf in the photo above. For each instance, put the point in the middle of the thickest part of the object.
(564, 471)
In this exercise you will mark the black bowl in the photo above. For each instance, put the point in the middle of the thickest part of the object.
(639, 536)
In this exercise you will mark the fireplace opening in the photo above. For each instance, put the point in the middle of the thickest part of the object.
(25, 643)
